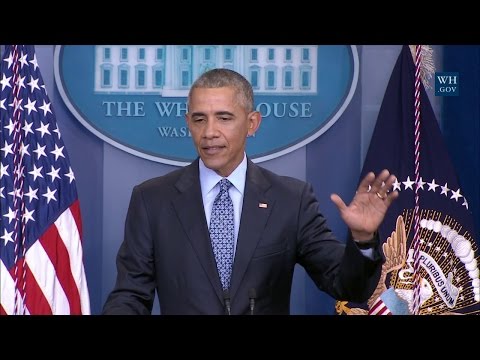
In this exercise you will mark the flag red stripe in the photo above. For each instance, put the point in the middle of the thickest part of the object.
(7, 291)
(375, 306)
(58, 254)
(35, 300)
(75, 209)
(384, 311)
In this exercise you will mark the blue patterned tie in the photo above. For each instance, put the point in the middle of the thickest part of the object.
(222, 232)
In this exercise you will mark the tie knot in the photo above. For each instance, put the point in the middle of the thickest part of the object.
(224, 185)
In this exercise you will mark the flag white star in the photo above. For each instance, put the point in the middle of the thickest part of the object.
(7, 236)
(46, 108)
(54, 173)
(5, 82)
(58, 152)
(3, 170)
(21, 82)
(445, 190)
(10, 127)
(2, 104)
(409, 183)
(50, 195)
(27, 128)
(24, 149)
(40, 151)
(15, 192)
(421, 183)
(23, 60)
(31, 194)
(34, 62)
(456, 195)
(7, 149)
(1, 192)
(58, 132)
(31, 106)
(465, 203)
(28, 215)
(33, 84)
(70, 174)
(397, 185)
(10, 215)
(36, 172)
(16, 104)
(432, 186)
(9, 60)
(43, 129)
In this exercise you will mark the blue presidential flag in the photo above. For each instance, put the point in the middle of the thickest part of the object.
(448, 256)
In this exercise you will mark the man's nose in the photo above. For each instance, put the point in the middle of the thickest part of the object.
(211, 128)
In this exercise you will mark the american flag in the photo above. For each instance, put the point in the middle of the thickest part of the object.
(41, 255)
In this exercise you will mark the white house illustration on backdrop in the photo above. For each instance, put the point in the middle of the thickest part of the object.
(169, 70)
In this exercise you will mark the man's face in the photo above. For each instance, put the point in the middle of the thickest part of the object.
(219, 125)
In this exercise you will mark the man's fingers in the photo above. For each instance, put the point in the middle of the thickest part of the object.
(380, 182)
(391, 196)
(366, 182)
(380, 185)
(337, 200)
(390, 181)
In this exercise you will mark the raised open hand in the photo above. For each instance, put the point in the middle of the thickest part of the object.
(368, 207)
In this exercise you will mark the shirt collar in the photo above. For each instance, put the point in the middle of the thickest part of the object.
(209, 178)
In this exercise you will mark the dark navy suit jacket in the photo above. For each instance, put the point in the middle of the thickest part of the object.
(167, 247)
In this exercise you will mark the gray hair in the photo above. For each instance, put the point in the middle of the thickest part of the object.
(217, 78)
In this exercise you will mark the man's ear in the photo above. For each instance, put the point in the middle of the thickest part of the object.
(254, 120)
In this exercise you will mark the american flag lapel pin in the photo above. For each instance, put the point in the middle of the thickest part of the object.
(262, 205)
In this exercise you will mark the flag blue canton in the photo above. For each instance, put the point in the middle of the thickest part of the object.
(37, 188)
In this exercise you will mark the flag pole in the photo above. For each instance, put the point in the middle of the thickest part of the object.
(416, 213)
(18, 203)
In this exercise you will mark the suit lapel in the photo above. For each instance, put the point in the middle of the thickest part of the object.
(252, 223)
(191, 214)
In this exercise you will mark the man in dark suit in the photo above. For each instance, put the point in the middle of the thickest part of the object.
(177, 243)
